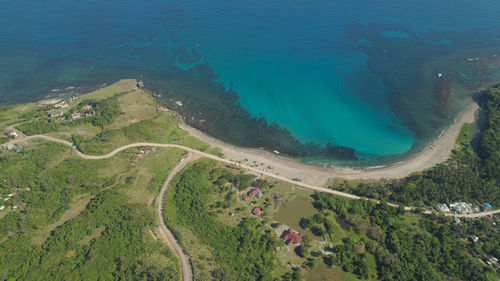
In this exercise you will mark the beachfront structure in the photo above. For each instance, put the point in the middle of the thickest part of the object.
(257, 211)
(461, 208)
(442, 208)
(62, 104)
(290, 236)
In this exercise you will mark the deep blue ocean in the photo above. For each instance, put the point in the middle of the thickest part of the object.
(357, 74)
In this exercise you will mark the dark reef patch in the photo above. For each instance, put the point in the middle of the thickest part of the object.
(430, 75)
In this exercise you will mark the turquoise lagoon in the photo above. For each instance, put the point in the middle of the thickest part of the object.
(290, 62)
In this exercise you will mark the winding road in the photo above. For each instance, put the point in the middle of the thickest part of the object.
(186, 269)
(187, 272)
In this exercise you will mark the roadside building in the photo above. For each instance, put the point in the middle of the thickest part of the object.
(441, 207)
(487, 205)
(11, 134)
(457, 220)
(257, 211)
(461, 208)
(290, 236)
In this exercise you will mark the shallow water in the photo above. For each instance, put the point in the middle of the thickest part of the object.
(301, 64)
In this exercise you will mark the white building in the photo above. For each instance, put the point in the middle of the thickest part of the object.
(76, 115)
(11, 133)
(55, 114)
(62, 104)
(442, 208)
(461, 208)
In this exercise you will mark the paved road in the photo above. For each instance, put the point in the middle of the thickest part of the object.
(244, 166)
(186, 269)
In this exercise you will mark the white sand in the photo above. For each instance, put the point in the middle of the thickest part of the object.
(435, 152)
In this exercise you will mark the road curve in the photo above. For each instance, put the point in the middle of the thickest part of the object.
(186, 269)
(223, 160)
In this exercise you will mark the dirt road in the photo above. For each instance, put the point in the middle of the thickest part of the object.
(186, 269)
(256, 170)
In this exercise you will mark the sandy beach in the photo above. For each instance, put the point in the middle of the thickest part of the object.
(437, 151)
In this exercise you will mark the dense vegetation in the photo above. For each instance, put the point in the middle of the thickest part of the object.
(406, 246)
(467, 176)
(39, 127)
(242, 252)
(106, 240)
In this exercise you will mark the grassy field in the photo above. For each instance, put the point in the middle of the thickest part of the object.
(140, 120)
(283, 205)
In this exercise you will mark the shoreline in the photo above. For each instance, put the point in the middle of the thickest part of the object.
(435, 152)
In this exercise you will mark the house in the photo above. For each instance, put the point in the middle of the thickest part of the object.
(457, 220)
(488, 206)
(256, 192)
(16, 149)
(11, 134)
(461, 208)
(291, 236)
(76, 115)
(256, 211)
(442, 208)
(62, 104)
(14, 207)
(2, 208)
(474, 239)
(55, 114)
(87, 107)
(491, 261)
(245, 196)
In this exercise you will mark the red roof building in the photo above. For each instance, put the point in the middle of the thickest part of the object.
(245, 196)
(256, 211)
(255, 191)
(291, 236)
